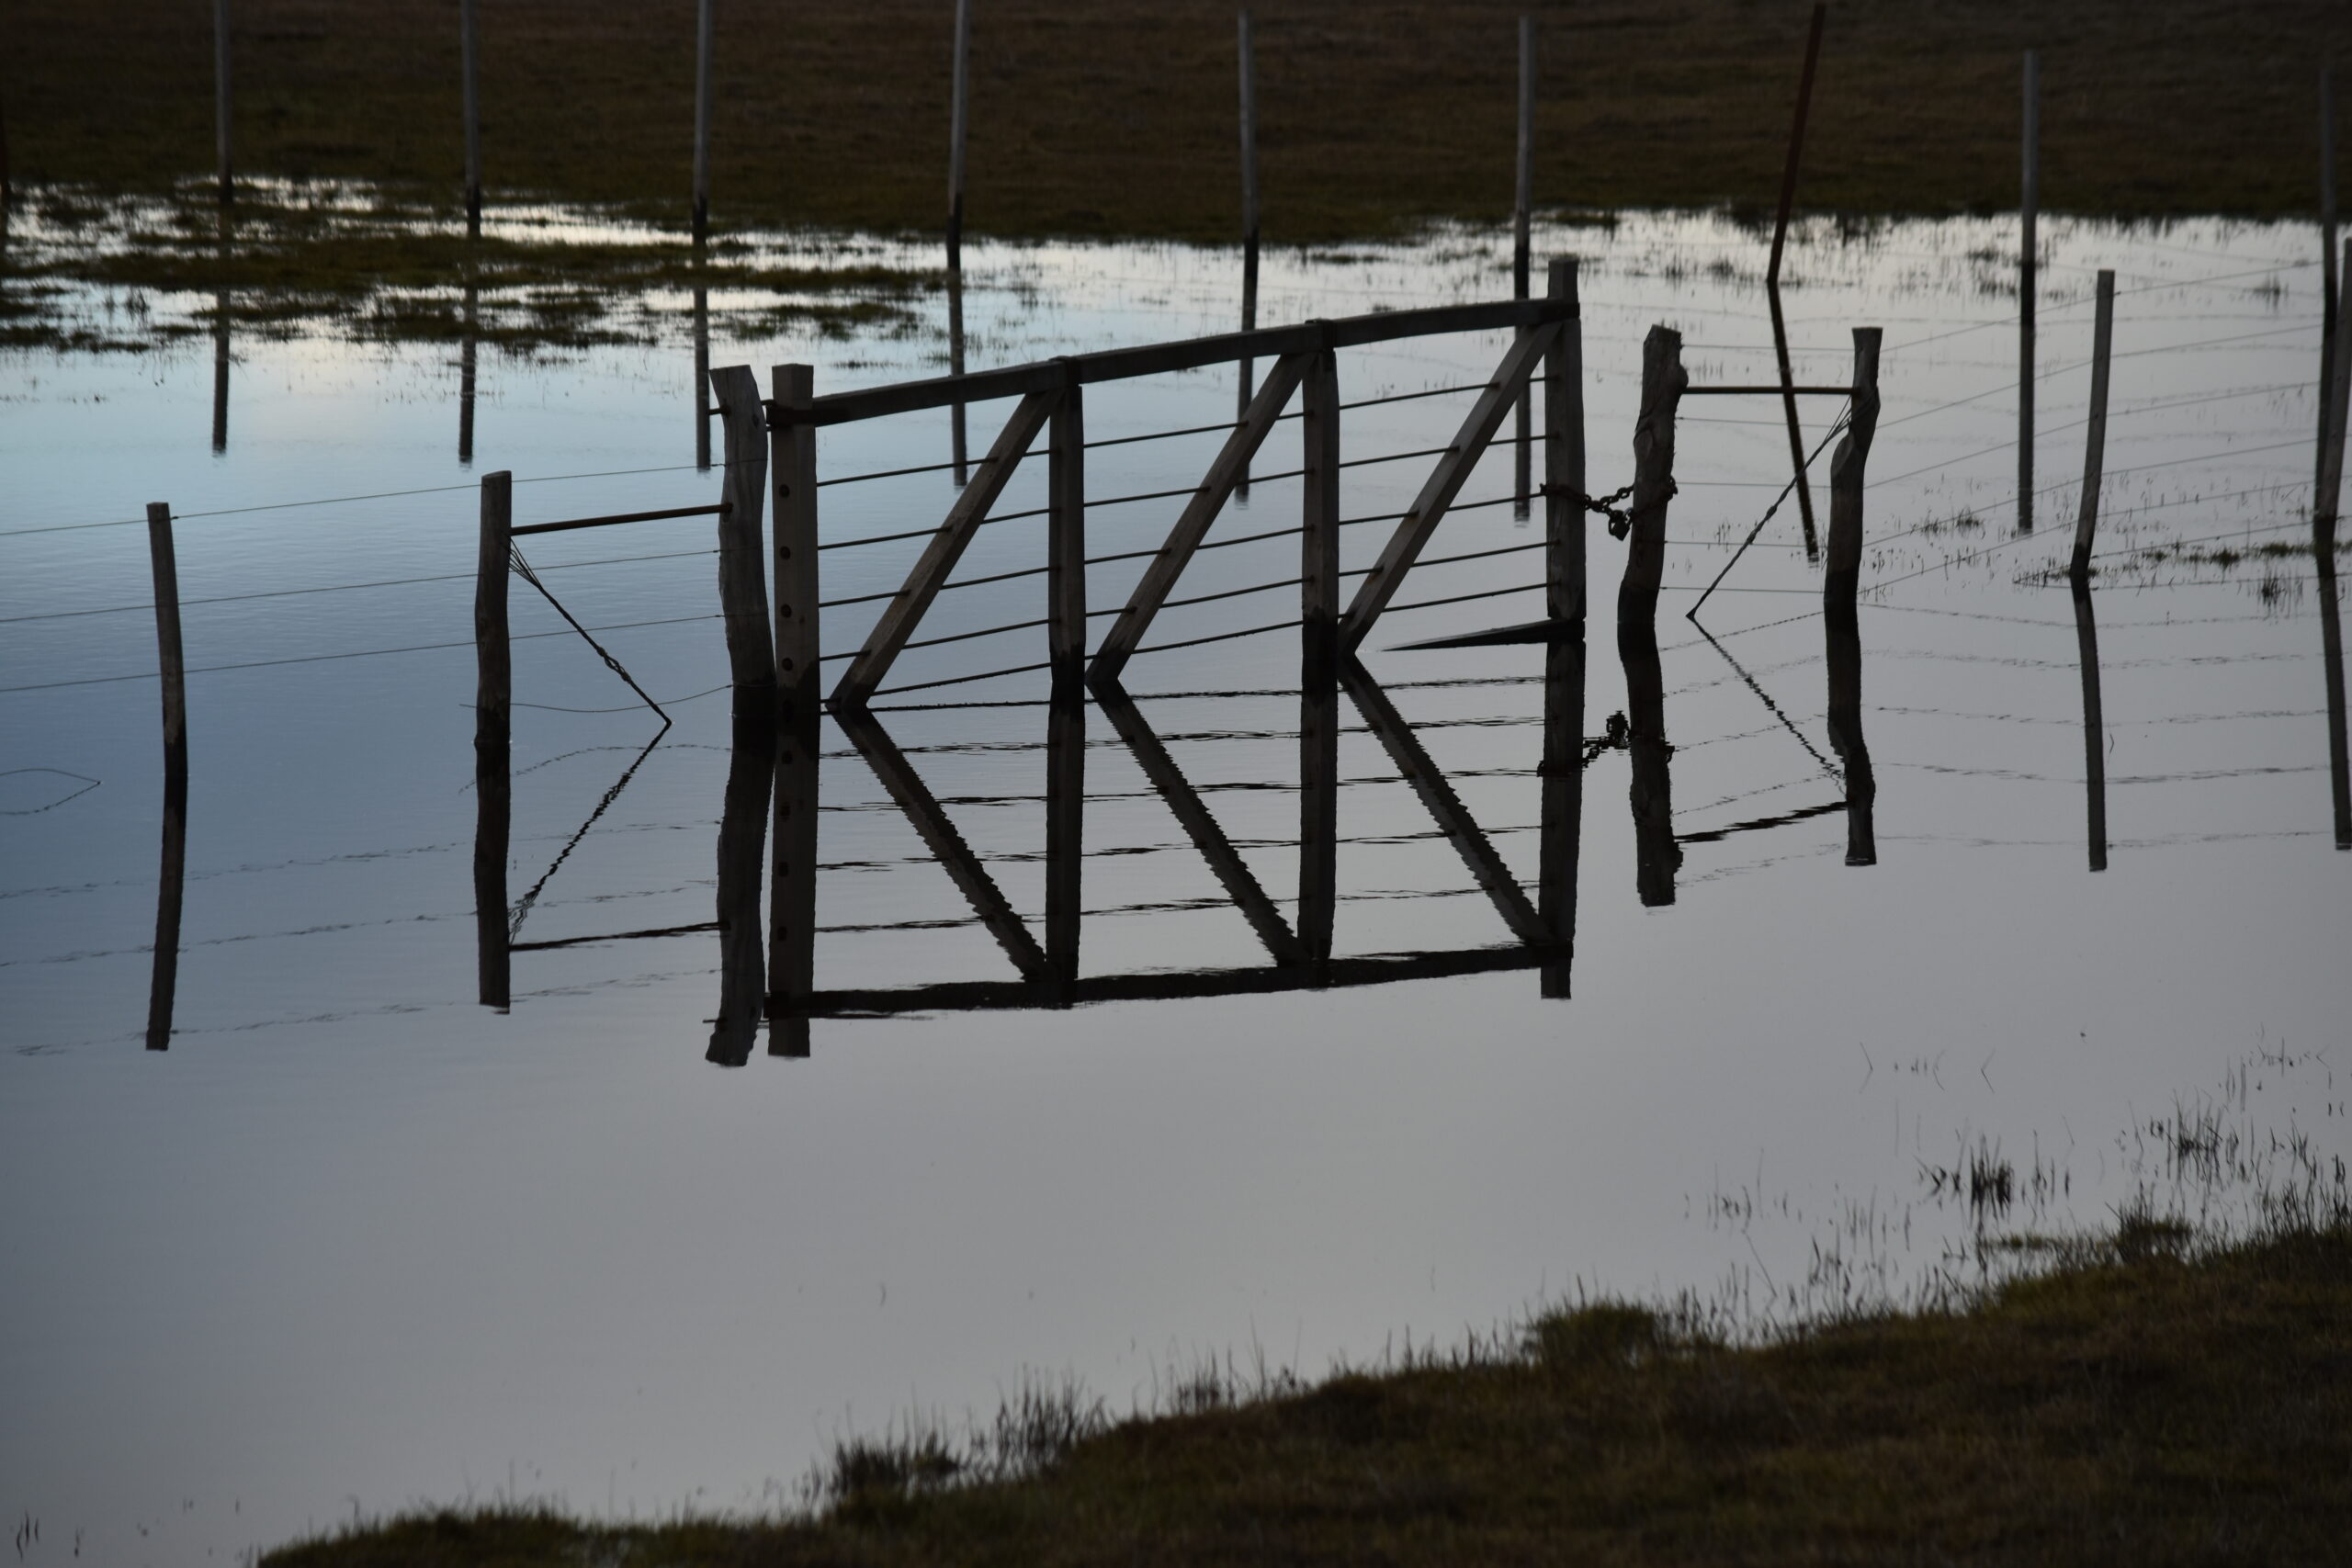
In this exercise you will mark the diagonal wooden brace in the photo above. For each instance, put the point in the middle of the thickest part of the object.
(1224, 475)
(1444, 483)
(905, 610)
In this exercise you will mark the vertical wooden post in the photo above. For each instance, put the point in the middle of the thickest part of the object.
(2339, 753)
(1841, 576)
(493, 693)
(2093, 725)
(1663, 380)
(959, 427)
(2095, 445)
(792, 911)
(2328, 322)
(1522, 208)
(1796, 143)
(1066, 534)
(702, 377)
(467, 363)
(1657, 854)
(742, 838)
(1318, 612)
(1065, 831)
(1564, 456)
(171, 876)
(220, 371)
(958, 119)
(2329, 496)
(223, 99)
(742, 577)
(169, 663)
(2029, 210)
(1841, 627)
(469, 62)
(704, 39)
(1247, 387)
(1772, 281)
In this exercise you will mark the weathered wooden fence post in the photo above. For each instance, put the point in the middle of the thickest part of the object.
(2029, 210)
(1842, 636)
(173, 668)
(2329, 496)
(742, 577)
(493, 693)
(1658, 856)
(792, 912)
(1663, 380)
(1065, 831)
(1563, 456)
(223, 99)
(1842, 573)
(2095, 445)
(958, 120)
(1065, 532)
(1318, 613)
(703, 39)
(470, 65)
(2093, 725)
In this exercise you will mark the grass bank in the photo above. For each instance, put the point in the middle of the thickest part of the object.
(2147, 1401)
(1109, 116)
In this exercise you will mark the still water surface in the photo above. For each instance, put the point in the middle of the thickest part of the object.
(354, 1241)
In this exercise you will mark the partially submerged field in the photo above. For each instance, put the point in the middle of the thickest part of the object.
(1117, 117)
(2147, 1403)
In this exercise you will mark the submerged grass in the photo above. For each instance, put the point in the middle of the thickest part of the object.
(2142, 1397)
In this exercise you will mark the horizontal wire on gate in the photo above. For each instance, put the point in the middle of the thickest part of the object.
(1493, 594)
(1408, 397)
(1168, 434)
(926, 533)
(895, 473)
(963, 679)
(1228, 593)
(1220, 637)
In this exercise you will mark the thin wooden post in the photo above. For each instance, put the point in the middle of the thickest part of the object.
(1318, 613)
(169, 665)
(1522, 208)
(220, 371)
(1841, 627)
(2326, 215)
(493, 693)
(792, 907)
(704, 31)
(743, 838)
(172, 874)
(793, 471)
(742, 577)
(1795, 429)
(1249, 154)
(1064, 829)
(1066, 535)
(1841, 576)
(958, 119)
(958, 426)
(469, 360)
(1658, 856)
(223, 101)
(1563, 456)
(1663, 382)
(2095, 445)
(2093, 725)
(469, 62)
(1796, 143)
(2029, 210)
(2329, 496)
(702, 377)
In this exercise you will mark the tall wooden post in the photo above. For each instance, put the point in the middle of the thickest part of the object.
(702, 377)
(1772, 282)
(469, 360)
(1796, 143)
(2095, 445)
(1318, 700)
(2328, 322)
(1066, 534)
(1521, 220)
(171, 666)
(2093, 725)
(493, 693)
(704, 31)
(742, 577)
(1563, 456)
(1841, 577)
(958, 119)
(220, 371)
(1841, 628)
(792, 911)
(1247, 387)
(223, 100)
(1663, 380)
(470, 64)
(2028, 211)
(2329, 496)
(742, 838)
(958, 426)
(1065, 831)
(1657, 854)
(1564, 654)
(2339, 753)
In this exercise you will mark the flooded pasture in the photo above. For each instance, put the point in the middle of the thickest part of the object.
(1989, 911)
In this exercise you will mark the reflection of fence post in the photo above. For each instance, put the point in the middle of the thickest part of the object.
(2094, 723)
(742, 835)
(1564, 465)
(1658, 856)
(1663, 380)
(1066, 533)
(2331, 447)
(469, 62)
(1064, 829)
(792, 914)
(1841, 581)
(2339, 752)
(2029, 210)
(221, 97)
(220, 371)
(959, 118)
(1842, 573)
(2095, 445)
(1521, 220)
(1318, 611)
(1246, 387)
(704, 30)
(742, 577)
(2327, 327)
(493, 691)
(173, 668)
(958, 437)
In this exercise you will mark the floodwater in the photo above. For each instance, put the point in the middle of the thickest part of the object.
(355, 1241)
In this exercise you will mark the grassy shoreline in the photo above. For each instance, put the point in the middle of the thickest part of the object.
(2144, 1400)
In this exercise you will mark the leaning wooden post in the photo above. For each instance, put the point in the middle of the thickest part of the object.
(1564, 458)
(2029, 209)
(2095, 445)
(742, 577)
(1663, 380)
(958, 119)
(2329, 496)
(1842, 574)
(1318, 613)
(1796, 143)
(469, 61)
(1773, 284)
(704, 31)
(223, 99)
(493, 693)
(792, 911)
(173, 668)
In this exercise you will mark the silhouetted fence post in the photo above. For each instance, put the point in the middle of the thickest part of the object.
(1318, 613)
(702, 377)
(958, 120)
(1658, 856)
(1796, 143)
(1772, 282)
(2339, 753)
(742, 577)
(792, 912)
(2093, 725)
(223, 99)
(1247, 385)
(742, 838)
(1064, 832)
(1066, 650)
(469, 63)
(2329, 496)
(493, 695)
(2327, 328)
(1564, 654)
(2029, 210)
(173, 668)
(2095, 445)
(469, 357)
(1522, 221)
(704, 30)
(958, 425)
(1564, 455)
(220, 371)
(1841, 576)
(1663, 380)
